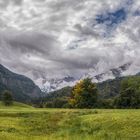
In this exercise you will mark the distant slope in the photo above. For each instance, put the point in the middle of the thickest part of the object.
(15, 105)
(64, 92)
(54, 84)
(107, 89)
(23, 88)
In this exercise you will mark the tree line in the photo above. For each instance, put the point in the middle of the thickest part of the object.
(85, 95)
(7, 98)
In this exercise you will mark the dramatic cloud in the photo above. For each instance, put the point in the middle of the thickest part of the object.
(54, 38)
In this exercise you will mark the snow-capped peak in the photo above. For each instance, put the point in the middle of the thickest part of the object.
(49, 85)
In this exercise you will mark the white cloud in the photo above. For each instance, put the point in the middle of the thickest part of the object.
(60, 37)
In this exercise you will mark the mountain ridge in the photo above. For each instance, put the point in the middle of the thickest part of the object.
(22, 87)
(51, 85)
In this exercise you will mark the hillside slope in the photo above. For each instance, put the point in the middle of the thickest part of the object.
(23, 88)
(107, 89)
(15, 105)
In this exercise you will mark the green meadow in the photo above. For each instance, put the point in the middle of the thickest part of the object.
(23, 122)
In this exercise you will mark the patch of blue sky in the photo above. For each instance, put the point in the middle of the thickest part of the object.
(110, 19)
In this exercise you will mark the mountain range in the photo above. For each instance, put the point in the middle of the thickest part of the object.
(25, 90)
(50, 85)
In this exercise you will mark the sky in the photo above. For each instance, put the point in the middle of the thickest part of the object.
(56, 38)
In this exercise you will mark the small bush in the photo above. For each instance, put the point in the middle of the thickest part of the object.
(7, 98)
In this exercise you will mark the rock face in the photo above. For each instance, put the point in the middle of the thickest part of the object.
(23, 88)
(50, 85)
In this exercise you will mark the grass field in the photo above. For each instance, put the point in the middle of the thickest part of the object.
(22, 122)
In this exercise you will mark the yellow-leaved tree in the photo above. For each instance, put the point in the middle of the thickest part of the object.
(84, 94)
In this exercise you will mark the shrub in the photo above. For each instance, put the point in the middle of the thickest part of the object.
(7, 98)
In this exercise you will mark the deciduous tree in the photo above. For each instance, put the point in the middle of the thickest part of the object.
(84, 94)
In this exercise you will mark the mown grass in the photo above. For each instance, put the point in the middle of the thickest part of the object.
(27, 123)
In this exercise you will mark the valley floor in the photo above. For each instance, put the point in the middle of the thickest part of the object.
(23, 123)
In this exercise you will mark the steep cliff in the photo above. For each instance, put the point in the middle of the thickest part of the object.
(23, 88)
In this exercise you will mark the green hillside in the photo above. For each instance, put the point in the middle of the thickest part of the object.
(14, 106)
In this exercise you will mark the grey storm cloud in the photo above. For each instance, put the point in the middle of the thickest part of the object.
(44, 47)
(33, 42)
(17, 2)
(66, 5)
(5, 3)
(36, 34)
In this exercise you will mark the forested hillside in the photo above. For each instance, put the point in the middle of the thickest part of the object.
(22, 88)
(108, 91)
